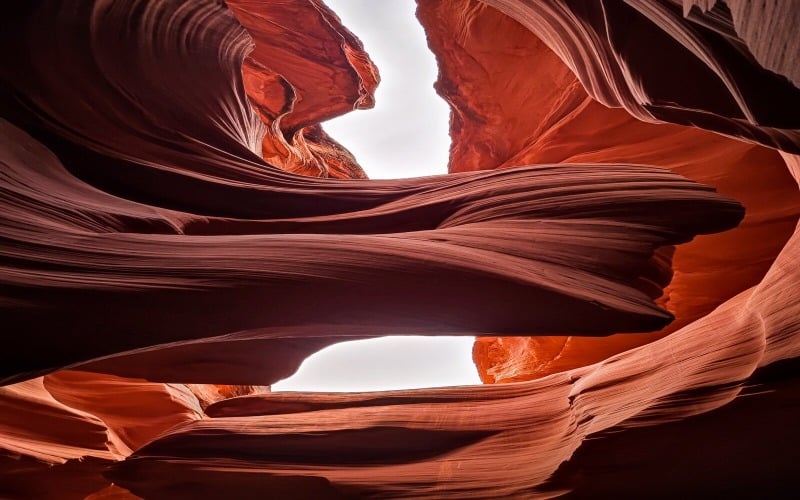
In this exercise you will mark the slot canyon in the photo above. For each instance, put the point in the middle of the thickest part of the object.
(618, 229)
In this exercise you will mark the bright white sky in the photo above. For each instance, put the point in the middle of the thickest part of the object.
(386, 363)
(405, 135)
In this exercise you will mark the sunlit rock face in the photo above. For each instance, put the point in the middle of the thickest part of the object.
(504, 117)
(305, 68)
(163, 262)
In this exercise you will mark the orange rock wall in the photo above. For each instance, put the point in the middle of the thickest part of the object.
(158, 273)
(502, 117)
(305, 68)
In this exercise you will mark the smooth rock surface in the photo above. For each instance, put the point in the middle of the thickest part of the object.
(163, 261)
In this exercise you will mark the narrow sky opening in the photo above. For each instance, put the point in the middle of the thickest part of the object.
(385, 364)
(405, 135)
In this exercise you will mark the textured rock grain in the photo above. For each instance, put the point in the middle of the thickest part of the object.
(162, 261)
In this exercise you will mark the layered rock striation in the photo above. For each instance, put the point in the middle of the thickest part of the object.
(503, 116)
(163, 261)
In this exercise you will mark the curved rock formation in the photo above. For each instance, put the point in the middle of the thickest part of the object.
(154, 227)
(722, 86)
(187, 237)
(305, 68)
(554, 120)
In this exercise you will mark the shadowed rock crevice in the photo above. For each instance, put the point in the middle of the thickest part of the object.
(157, 240)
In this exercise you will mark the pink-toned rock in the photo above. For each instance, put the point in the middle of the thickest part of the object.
(144, 235)
(502, 117)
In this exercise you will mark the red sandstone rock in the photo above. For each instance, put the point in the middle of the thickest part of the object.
(550, 118)
(144, 235)
(305, 68)
(206, 287)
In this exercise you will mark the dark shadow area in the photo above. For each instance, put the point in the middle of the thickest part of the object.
(749, 448)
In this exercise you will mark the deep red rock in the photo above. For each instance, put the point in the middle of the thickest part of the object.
(550, 118)
(144, 236)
